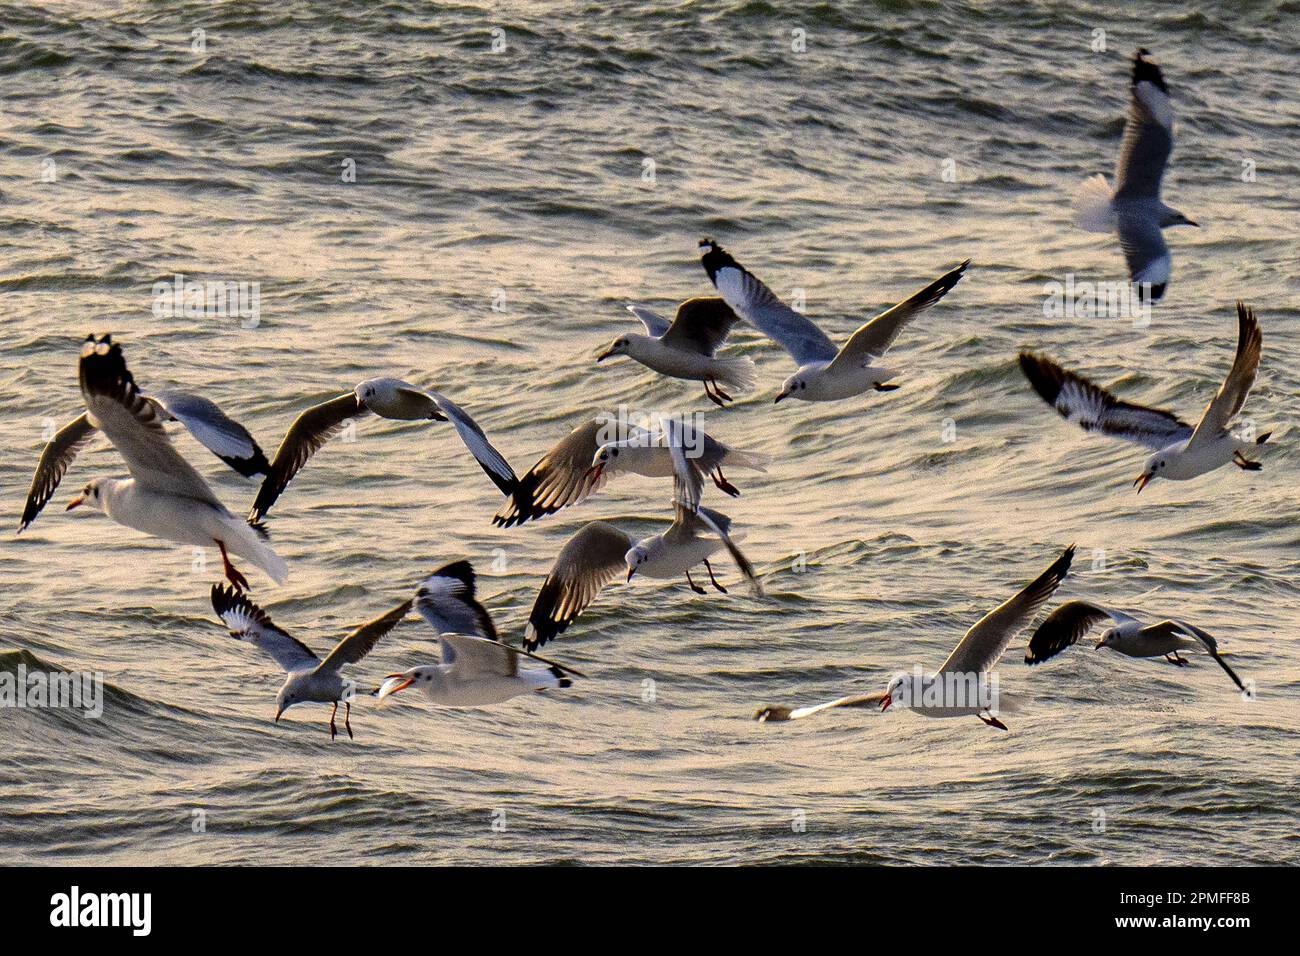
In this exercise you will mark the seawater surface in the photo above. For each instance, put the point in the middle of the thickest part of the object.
(506, 206)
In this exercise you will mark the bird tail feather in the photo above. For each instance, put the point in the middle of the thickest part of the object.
(1092, 205)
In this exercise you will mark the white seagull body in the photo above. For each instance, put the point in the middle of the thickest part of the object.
(1127, 635)
(308, 679)
(387, 398)
(961, 687)
(164, 496)
(825, 373)
(476, 669)
(686, 347)
(1182, 452)
(1134, 209)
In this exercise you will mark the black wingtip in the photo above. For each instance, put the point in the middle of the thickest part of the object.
(259, 526)
(714, 258)
(462, 571)
(102, 368)
(251, 466)
(560, 676)
(1145, 71)
(1044, 375)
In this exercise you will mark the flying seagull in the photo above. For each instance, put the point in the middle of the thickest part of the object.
(1182, 452)
(1134, 209)
(825, 373)
(204, 419)
(961, 686)
(476, 668)
(1072, 621)
(686, 348)
(387, 398)
(164, 496)
(585, 459)
(308, 680)
(599, 552)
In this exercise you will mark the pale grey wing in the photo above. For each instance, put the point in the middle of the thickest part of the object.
(215, 430)
(1148, 134)
(56, 458)
(1230, 398)
(1211, 647)
(984, 643)
(1095, 409)
(760, 307)
(591, 559)
(776, 713)
(248, 622)
(655, 324)
(873, 340)
(492, 462)
(361, 641)
(701, 325)
(446, 600)
(564, 475)
(456, 649)
(720, 525)
(1145, 251)
(309, 431)
(688, 478)
(135, 425)
(1065, 627)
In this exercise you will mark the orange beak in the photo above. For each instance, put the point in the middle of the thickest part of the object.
(80, 499)
(884, 704)
(604, 355)
(779, 397)
(1141, 481)
(388, 688)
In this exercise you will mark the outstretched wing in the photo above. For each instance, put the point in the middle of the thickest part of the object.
(55, 459)
(492, 462)
(309, 431)
(720, 525)
(984, 643)
(760, 307)
(248, 622)
(1095, 409)
(215, 430)
(655, 324)
(1148, 133)
(701, 325)
(591, 559)
(1230, 398)
(1066, 626)
(361, 641)
(873, 340)
(776, 713)
(446, 600)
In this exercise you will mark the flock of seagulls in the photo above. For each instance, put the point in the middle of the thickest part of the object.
(166, 497)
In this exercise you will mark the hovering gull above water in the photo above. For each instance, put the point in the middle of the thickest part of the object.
(476, 668)
(164, 496)
(966, 668)
(686, 348)
(599, 552)
(1072, 621)
(1182, 452)
(825, 373)
(585, 459)
(308, 680)
(220, 434)
(387, 398)
(1134, 209)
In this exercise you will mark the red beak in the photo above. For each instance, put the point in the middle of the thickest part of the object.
(884, 704)
(75, 502)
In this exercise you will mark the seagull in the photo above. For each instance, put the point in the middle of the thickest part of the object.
(596, 554)
(1072, 621)
(309, 680)
(961, 686)
(164, 496)
(825, 373)
(686, 347)
(582, 461)
(387, 398)
(1182, 452)
(204, 419)
(476, 668)
(1134, 209)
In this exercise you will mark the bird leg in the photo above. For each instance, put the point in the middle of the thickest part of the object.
(333, 730)
(694, 587)
(721, 394)
(715, 399)
(712, 578)
(721, 481)
(232, 572)
(347, 718)
(992, 721)
(1175, 659)
(1244, 463)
